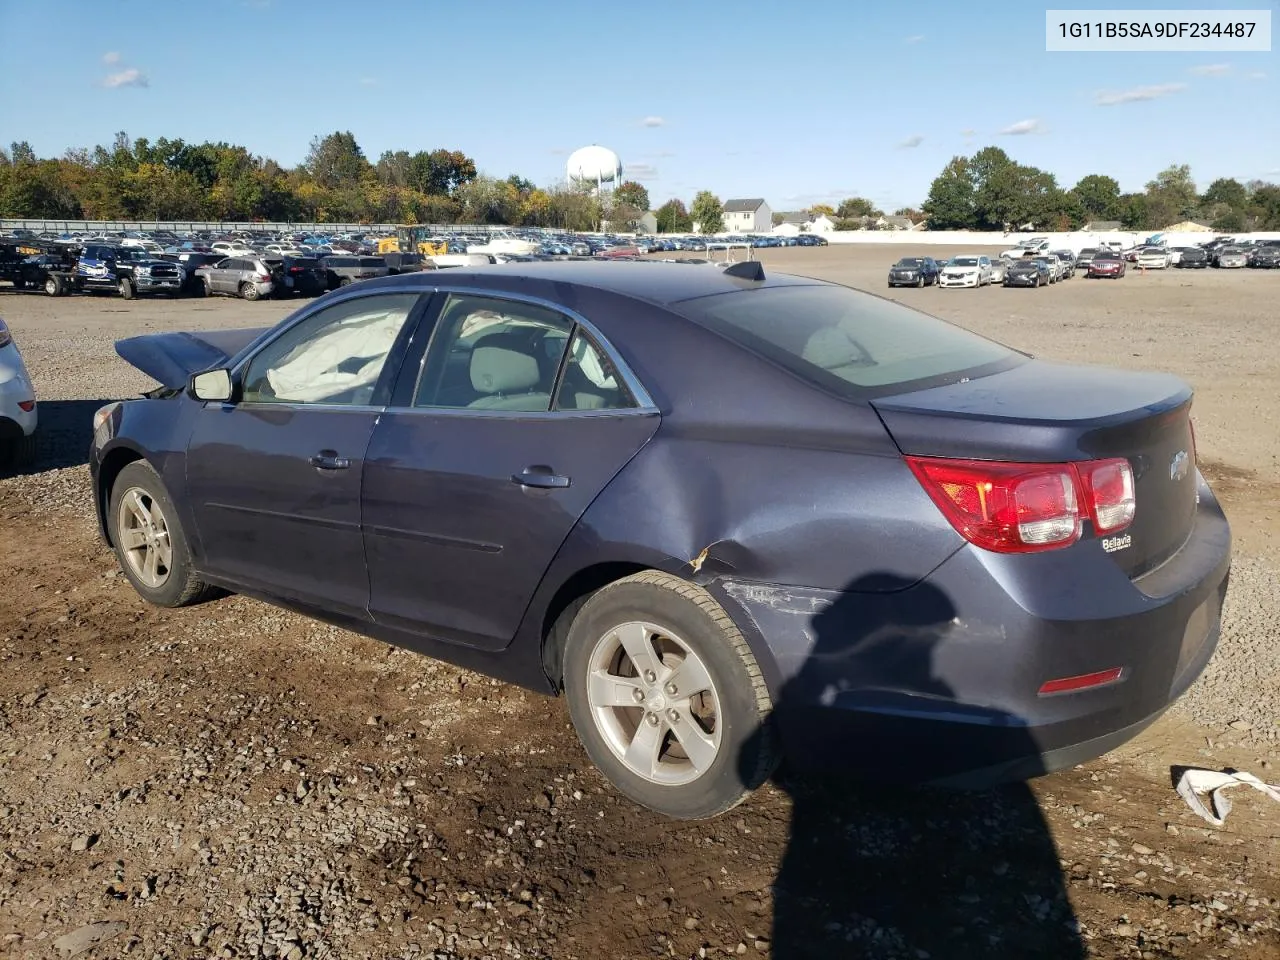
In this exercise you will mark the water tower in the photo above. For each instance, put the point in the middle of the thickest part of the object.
(595, 165)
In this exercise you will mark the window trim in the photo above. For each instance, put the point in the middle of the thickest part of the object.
(645, 405)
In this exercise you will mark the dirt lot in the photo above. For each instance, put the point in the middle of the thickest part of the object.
(232, 780)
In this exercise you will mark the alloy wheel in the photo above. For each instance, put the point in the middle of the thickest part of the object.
(654, 703)
(144, 537)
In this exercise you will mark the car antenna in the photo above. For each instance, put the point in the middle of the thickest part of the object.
(746, 269)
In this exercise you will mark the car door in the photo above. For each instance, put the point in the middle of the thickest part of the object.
(497, 442)
(274, 477)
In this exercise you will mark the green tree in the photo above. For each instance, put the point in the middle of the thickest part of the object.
(1226, 191)
(441, 171)
(672, 217)
(1230, 221)
(1264, 206)
(707, 212)
(632, 194)
(950, 205)
(1133, 211)
(1171, 197)
(520, 184)
(854, 207)
(1099, 197)
(822, 210)
(393, 168)
(486, 200)
(336, 160)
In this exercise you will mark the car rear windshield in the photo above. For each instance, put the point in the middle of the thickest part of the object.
(849, 342)
(909, 262)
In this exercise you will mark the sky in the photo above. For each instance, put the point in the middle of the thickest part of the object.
(798, 102)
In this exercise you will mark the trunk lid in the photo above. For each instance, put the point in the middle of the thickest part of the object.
(1042, 412)
(172, 358)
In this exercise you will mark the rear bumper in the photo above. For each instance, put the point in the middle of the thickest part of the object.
(939, 682)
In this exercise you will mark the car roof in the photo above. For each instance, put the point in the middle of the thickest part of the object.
(655, 281)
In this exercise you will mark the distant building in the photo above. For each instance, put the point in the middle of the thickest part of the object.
(1189, 226)
(648, 223)
(895, 223)
(1103, 226)
(802, 221)
(747, 216)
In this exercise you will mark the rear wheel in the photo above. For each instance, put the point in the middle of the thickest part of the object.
(53, 286)
(667, 697)
(126, 288)
(344, 282)
(249, 291)
(17, 454)
(149, 541)
(920, 280)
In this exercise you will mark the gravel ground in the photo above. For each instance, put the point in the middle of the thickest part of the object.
(237, 781)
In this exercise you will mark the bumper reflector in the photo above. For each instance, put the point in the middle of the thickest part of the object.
(1082, 682)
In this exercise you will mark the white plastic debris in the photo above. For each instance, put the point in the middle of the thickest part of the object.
(1194, 784)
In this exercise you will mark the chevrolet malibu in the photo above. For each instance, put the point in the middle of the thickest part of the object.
(731, 517)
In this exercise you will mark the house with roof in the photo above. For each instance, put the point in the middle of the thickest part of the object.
(801, 221)
(895, 223)
(750, 215)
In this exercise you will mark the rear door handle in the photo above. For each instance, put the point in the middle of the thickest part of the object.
(329, 460)
(540, 476)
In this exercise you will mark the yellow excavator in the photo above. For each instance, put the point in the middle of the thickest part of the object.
(412, 239)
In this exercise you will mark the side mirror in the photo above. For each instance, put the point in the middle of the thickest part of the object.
(213, 386)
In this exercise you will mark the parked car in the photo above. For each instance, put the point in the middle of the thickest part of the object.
(1265, 258)
(968, 593)
(1084, 257)
(998, 267)
(1067, 259)
(342, 271)
(1054, 264)
(304, 275)
(129, 271)
(1028, 272)
(966, 270)
(232, 248)
(1110, 266)
(1153, 258)
(18, 412)
(913, 272)
(1231, 258)
(249, 278)
(190, 261)
(1032, 245)
(1193, 258)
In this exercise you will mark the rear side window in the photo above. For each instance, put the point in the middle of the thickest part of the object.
(849, 342)
(372, 262)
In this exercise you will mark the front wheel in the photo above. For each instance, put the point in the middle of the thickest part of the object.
(126, 288)
(920, 280)
(149, 541)
(18, 454)
(667, 697)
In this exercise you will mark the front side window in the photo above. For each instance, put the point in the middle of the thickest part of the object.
(493, 354)
(334, 356)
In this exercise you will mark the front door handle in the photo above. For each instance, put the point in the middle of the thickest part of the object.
(329, 460)
(540, 476)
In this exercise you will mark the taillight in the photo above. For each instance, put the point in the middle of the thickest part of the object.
(1108, 489)
(1025, 507)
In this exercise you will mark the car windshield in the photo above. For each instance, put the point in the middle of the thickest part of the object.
(909, 262)
(131, 253)
(846, 341)
(962, 262)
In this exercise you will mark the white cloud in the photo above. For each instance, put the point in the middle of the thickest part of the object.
(1211, 69)
(1110, 98)
(915, 38)
(111, 58)
(640, 171)
(968, 133)
(1257, 75)
(652, 122)
(131, 77)
(911, 142)
(1022, 128)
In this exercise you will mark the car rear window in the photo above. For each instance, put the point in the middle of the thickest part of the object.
(372, 262)
(849, 342)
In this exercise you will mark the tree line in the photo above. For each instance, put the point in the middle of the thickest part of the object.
(991, 191)
(336, 183)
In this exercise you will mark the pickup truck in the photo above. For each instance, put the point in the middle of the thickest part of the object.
(126, 270)
(1033, 247)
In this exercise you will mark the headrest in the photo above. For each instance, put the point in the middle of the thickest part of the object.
(831, 347)
(499, 364)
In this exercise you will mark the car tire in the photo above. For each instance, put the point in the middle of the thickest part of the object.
(53, 286)
(170, 580)
(126, 288)
(344, 282)
(200, 288)
(687, 634)
(249, 291)
(18, 454)
(206, 287)
(920, 280)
